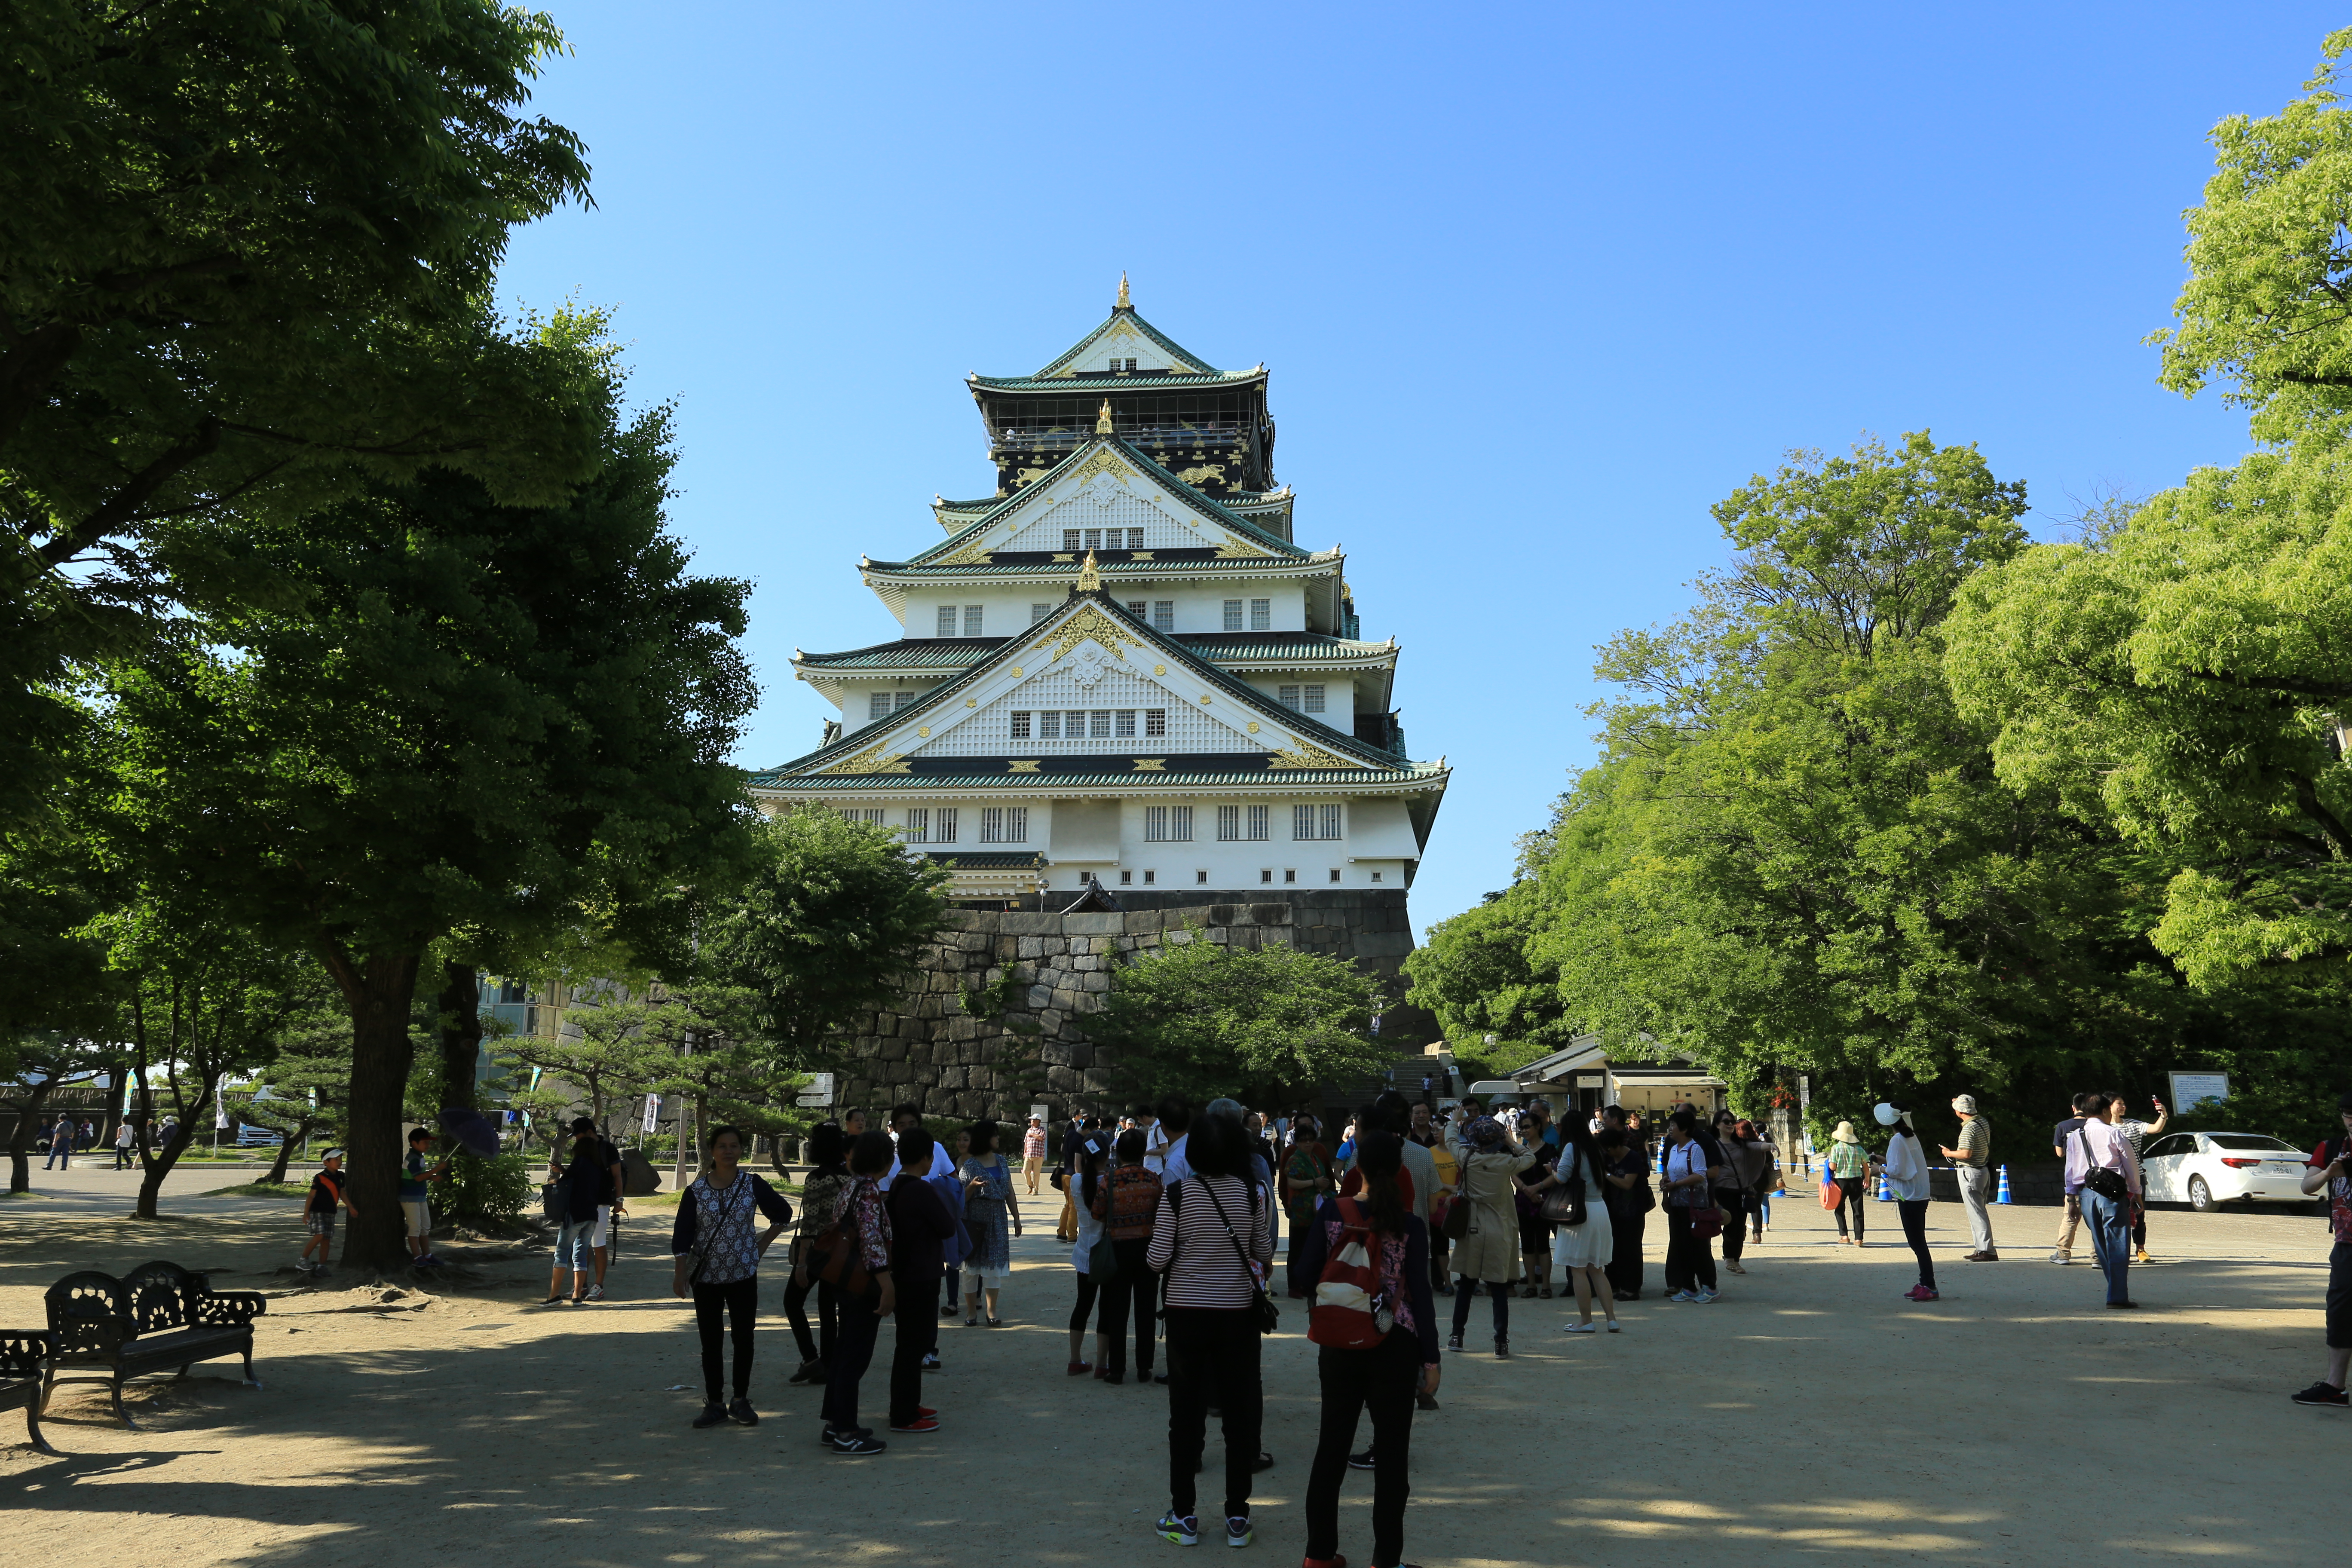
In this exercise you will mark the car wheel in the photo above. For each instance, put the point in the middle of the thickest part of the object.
(2200, 1197)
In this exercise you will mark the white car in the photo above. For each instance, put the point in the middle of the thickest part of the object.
(2206, 1170)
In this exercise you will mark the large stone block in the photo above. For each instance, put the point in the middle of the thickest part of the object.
(1384, 944)
(1041, 996)
(891, 1051)
(1092, 925)
(1033, 947)
(1096, 983)
(1014, 922)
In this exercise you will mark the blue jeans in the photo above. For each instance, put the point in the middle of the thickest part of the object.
(2109, 1223)
(60, 1155)
(571, 1248)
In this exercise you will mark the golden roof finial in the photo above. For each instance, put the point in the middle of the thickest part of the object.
(1122, 293)
(1089, 580)
(1102, 420)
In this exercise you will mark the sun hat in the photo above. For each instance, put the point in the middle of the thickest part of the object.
(1965, 1103)
(1845, 1134)
(1887, 1114)
(1485, 1131)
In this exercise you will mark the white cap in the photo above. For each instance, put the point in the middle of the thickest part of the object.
(1887, 1115)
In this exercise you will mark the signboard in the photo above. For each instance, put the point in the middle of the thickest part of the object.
(1040, 1109)
(653, 1113)
(1804, 1090)
(2193, 1088)
(1590, 1081)
(817, 1092)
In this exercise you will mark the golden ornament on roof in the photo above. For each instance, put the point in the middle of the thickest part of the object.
(1089, 579)
(1122, 292)
(1102, 420)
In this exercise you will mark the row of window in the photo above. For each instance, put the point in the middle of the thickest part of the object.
(1300, 698)
(1075, 539)
(1200, 879)
(971, 618)
(936, 825)
(1240, 615)
(882, 704)
(1086, 724)
(1161, 824)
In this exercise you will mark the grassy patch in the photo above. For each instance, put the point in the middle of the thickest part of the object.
(262, 1190)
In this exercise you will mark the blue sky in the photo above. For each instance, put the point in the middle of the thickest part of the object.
(1536, 285)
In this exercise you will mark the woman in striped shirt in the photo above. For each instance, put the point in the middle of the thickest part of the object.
(1211, 1240)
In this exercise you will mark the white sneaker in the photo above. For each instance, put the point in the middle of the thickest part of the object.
(595, 1292)
(1578, 1329)
(2062, 1257)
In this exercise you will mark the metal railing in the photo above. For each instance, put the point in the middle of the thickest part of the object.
(1062, 437)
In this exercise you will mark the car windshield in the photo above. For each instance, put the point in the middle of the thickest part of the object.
(2249, 1140)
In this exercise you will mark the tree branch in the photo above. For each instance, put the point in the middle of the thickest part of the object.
(123, 505)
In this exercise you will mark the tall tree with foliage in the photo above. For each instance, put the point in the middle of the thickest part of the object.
(1265, 1024)
(826, 927)
(228, 234)
(477, 722)
(33, 1067)
(1477, 971)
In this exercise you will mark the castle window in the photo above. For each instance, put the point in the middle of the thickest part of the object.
(1123, 724)
(1315, 822)
(1020, 725)
(1288, 696)
(1266, 875)
(1137, 608)
(1149, 878)
(878, 706)
(1260, 615)
(1314, 695)
(919, 825)
(1229, 823)
(906, 698)
(1376, 876)
(1334, 873)
(1074, 725)
(1200, 879)
(946, 620)
(1069, 539)
(1167, 823)
(1127, 879)
(1155, 720)
(1258, 824)
(1290, 874)
(1232, 615)
(972, 620)
(1098, 724)
(1005, 825)
(1039, 612)
(1135, 539)
(1164, 615)
(1234, 828)
(1094, 539)
(1049, 724)
(945, 824)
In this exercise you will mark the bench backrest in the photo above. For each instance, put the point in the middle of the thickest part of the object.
(86, 1313)
(159, 1297)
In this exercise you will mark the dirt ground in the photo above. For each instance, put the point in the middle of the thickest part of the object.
(1812, 1415)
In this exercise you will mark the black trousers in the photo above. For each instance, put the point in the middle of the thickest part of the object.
(1914, 1215)
(1849, 1197)
(1382, 1380)
(1736, 1205)
(1213, 1358)
(715, 1306)
(1690, 1261)
(1086, 1288)
(122, 1152)
(916, 1328)
(852, 1353)
(1625, 1225)
(1134, 1289)
(1464, 1289)
(828, 1313)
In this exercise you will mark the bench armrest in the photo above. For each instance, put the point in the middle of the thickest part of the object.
(22, 1351)
(223, 1307)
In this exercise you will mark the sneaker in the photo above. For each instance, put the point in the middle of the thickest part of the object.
(920, 1424)
(1238, 1531)
(1704, 1297)
(1080, 1368)
(713, 1415)
(948, 1310)
(857, 1447)
(1184, 1530)
(1578, 1329)
(2324, 1395)
(1682, 1296)
(1502, 1347)
(742, 1414)
(1453, 1341)
(810, 1371)
(595, 1292)
(2062, 1257)
(833, 1435)
(1922, 1293)
(930, 1360)
(1118, 1376)
(1363, 1461)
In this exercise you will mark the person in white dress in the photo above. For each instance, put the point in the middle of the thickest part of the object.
(1584, 1251)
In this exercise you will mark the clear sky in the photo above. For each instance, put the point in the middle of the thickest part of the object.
(1536, 285)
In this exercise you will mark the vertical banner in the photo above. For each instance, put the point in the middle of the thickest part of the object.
(653, 1112)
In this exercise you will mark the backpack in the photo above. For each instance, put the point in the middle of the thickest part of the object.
(1350, 1311)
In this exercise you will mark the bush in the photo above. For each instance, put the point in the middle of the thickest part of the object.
(498, 1188)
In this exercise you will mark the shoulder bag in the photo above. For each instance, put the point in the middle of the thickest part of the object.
(1102, 1257)
(837, 1258)
(1564, 1203)
(1264, 1314)
(2109, 1184)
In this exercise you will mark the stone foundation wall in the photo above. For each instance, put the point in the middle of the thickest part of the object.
(1055, 968)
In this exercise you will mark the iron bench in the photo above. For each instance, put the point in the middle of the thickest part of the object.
(157, 1316)
(21, 1355)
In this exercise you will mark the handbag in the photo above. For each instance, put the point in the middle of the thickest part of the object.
(555, 1200)
(1707, 1224)
(1832, 1194)
(1265, 1314)
(2109, 1184)
(1564, 1204)
(836, 1257)
(1102, 1257)
(1457, 1217)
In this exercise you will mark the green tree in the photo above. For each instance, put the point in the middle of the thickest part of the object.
(228, 237)
(826, 926)
(36, 1066)
(1475, 972)
(483, 723)
(608, 1055)
(1265, 1024)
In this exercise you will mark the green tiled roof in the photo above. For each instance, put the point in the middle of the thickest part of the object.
(1231, 646)
(1061, 569)
(908, 653)
(1124, 782)
(1222, 515)
(962, 653)
(1174, 348)
(1133, 380)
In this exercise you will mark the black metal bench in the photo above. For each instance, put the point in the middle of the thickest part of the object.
(21, 1355)
(159, 1316)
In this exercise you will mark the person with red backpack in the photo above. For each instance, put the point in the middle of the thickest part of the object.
(1376, 1319)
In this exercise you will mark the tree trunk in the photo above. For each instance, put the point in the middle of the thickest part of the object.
(460, 1007)
(157, 1165)
(379, 988)
(20, 1142)
(286, 1152)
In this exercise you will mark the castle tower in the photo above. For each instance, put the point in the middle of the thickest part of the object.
(1120, 668)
